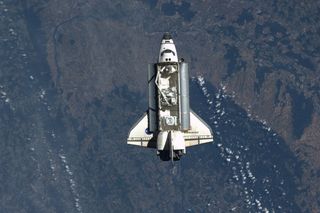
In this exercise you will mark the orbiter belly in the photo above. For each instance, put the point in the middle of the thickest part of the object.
(169, 125)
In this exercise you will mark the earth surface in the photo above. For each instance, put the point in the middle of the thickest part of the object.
(73, 80)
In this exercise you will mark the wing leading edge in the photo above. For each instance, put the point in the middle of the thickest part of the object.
(138, 134)
(199, 133)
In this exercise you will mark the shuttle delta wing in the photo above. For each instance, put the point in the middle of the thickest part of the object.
(138, 134)
(199, 133)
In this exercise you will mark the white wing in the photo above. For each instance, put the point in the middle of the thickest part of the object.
(199, 133)
(138, 134)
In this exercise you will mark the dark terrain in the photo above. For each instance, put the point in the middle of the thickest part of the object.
(73, 81)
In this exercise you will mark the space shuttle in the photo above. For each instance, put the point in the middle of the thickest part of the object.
(169, 125)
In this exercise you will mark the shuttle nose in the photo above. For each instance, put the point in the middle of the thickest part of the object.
(168, 52)
(166, 36)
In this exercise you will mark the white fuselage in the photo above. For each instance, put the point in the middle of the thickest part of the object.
(170, 136)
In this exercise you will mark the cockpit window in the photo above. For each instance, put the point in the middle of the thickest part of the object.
(167, 51)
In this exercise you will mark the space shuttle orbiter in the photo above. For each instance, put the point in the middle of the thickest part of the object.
(169, 125)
